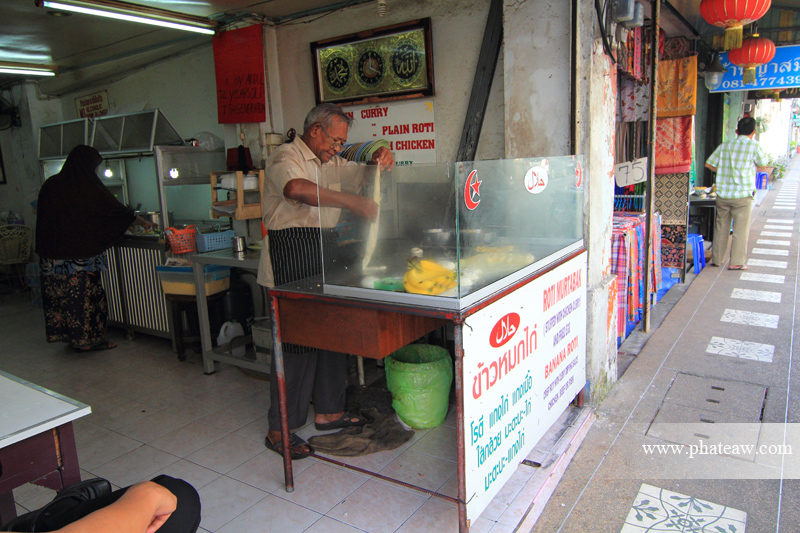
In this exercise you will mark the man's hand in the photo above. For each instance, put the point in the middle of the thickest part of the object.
(383, 157)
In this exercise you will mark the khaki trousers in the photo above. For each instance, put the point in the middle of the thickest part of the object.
(738, 211)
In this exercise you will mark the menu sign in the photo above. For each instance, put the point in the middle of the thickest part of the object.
(408, 126)
(239, 69)
(92, 105)
(524, 362)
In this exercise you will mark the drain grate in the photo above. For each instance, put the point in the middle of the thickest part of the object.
(716, 404)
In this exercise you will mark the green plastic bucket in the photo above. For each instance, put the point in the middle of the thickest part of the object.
(419, 377)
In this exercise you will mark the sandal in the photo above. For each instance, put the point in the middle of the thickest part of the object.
(100, 346)
(739, 267)
(295, 443)
(344, 421)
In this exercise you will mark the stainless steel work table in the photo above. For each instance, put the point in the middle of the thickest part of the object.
(247, 260)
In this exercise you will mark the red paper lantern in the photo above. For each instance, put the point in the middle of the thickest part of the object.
(732, 15)
(754, 52)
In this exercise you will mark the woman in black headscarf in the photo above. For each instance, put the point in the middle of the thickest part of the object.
(77, 220)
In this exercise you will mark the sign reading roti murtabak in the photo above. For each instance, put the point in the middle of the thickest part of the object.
(524, 362)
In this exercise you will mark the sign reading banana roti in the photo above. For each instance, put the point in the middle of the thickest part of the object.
(380, 64)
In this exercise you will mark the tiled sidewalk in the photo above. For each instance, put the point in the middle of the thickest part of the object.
(718, 369)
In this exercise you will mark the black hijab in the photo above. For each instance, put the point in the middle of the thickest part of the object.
(77, 217)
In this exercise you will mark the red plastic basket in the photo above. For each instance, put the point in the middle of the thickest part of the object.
(182, 241)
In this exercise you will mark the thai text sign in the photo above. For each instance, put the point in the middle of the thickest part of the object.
(524, 362)
(780, 73)
(92, 105)
(239, 69)
(407, 125)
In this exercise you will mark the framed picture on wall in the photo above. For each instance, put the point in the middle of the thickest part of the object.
(389, 63)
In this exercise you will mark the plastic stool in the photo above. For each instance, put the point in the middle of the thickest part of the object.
(762, 180)
(186, 305)
(698, 251)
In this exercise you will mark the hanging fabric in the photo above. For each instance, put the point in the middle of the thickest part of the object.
(674, 138)
(677, 87)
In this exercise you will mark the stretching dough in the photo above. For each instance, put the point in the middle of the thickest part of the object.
(372, 236)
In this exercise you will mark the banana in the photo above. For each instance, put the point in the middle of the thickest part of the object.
(427, 277)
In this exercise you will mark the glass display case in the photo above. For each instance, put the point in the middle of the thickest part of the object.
(184, 185)
(57, 140)
(449, 235)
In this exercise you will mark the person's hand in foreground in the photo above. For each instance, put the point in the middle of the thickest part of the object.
(142, 509)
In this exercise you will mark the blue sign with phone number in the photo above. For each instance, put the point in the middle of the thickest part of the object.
(782, 72)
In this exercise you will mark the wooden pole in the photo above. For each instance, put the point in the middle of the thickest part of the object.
(649, 198)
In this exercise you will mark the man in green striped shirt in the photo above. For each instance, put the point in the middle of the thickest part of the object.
(736, 163)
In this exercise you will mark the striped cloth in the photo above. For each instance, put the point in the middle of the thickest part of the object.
(628, 264)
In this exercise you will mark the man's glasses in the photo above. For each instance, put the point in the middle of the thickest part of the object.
(336, 145)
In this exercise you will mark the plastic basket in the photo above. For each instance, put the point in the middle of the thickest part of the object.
(182, 241)
(208, 242)
(180, 280)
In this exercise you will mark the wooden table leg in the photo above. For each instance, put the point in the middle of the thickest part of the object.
(70, 472)
(8, 511)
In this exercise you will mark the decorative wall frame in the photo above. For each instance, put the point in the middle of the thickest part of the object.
(389, 63)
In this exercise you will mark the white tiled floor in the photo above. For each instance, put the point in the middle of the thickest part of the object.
(153, 414)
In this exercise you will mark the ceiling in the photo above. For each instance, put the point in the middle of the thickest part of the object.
(90, 51)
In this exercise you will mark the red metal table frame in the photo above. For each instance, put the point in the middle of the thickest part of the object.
(303, 314)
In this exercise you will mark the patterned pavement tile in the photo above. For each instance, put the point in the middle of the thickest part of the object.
(750, 318)
(767, 263)
(770, 251)
(655, 509)
(758, 296)
(766, 278)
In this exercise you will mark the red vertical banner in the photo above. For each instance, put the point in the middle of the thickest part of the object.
(239, 68)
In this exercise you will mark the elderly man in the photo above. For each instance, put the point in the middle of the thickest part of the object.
(291, 251)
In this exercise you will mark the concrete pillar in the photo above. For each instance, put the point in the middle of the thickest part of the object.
(20, 149)
(537, 84)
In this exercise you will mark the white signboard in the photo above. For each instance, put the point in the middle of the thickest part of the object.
(92, 105)
(407, 125)
(631, 172)
(524, 362)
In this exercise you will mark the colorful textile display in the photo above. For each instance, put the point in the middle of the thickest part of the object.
(634, 100)
(674, 138)
(628, 264)
(673, 245)
(671, 198)
(677, 87)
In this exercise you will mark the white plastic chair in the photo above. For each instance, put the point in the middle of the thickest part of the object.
(15, 250)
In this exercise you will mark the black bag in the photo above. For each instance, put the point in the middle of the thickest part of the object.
(65, 499)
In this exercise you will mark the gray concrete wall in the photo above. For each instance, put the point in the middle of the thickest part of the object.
(457, 29)
(537, 85)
